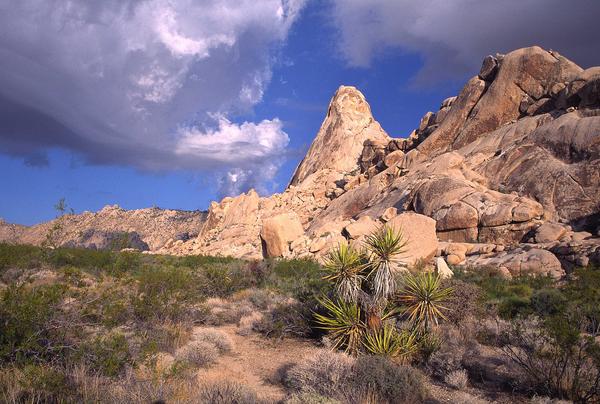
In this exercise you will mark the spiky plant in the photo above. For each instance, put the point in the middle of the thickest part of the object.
(343, 266)
(343, 322)
(387, 341)
(384, 247)
(422, 297)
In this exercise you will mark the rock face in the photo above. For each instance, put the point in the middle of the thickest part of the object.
(505, 174)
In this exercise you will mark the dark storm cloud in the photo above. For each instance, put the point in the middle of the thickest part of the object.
(144, 83)
(454, 36)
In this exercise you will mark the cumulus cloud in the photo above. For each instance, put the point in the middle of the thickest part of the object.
(454, 36)
(146, 83)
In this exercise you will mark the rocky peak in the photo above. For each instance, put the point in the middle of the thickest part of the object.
(339, 142)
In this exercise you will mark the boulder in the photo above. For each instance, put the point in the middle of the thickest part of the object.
(388, 214)
(419, 232)
(365, 225)
(488, 68)
(278, 232)
(442, 268)
(549, 232)
(393, 158)
(518, 262)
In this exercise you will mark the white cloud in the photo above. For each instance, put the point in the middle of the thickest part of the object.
(231, 143)
(454, 36)
(116, 80)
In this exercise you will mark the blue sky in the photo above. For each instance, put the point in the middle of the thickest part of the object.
(275, 75)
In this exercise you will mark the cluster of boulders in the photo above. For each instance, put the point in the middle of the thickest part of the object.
(506, 175)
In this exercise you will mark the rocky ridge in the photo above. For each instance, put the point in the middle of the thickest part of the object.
(143, 229)
(505, 174)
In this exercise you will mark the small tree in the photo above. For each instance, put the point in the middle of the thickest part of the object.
(366, 288)
(56, 229)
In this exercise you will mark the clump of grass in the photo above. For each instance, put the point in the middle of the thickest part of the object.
(457, 379)
(199, 353)
(215, 337)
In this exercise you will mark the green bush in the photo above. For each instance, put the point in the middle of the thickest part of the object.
(548, 301)
(107, 354)
(165, 293)
(285, 319)
(220, 280)
(26, 317)
(300, 278)
(19, 256)
(126, 262)
(512, 306)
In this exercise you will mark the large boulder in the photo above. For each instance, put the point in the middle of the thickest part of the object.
(278, 232)
(419, 232)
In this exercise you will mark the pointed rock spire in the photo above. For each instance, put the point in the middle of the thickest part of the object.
(339, 142)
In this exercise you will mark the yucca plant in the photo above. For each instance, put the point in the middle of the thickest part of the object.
(384, 247)
(387, 341)
(343, 266)
(343, 323)
(422, 298)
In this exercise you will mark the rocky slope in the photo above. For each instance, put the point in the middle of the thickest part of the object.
(506, 173)
(143, 229)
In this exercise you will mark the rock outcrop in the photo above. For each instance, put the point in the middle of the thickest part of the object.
(505, 174)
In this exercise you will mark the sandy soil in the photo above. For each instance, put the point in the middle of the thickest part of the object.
(255, 362)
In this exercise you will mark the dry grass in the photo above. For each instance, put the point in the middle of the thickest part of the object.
(199, 353)
(457, 379)
(218, 338)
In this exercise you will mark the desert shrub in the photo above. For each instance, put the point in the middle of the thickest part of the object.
(224, 279)
(260, 298)
(90, 260)
(108, 354)
(216, 337)
(29, 327)
(457, 379)
(19, 256)
(34, 384)
(227, 393)
(556, 359)
(285, 319)
(325, 374)
(464, 302)
(226, 311)
(163, 337)
(547, 302)
(583, 297)
(126, 262)
(380, 378)
(199, 353)
(512, 306)
(446, 360)
(300, 278)
(198, 261)
(165, 293)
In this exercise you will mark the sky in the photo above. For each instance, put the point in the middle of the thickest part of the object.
(175, 103)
